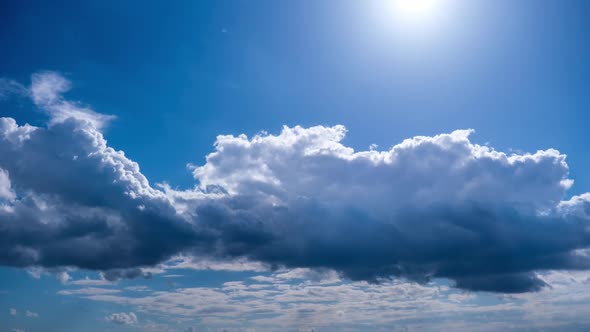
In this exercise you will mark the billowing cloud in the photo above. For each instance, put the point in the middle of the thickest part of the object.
(80, 202)
(428, 207)
(123, 318)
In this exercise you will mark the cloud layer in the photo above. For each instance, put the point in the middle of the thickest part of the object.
(292, 301)
(428, 207)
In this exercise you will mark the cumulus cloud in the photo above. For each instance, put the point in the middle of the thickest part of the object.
(81, 203)
(429, 207)
(438, 206)
(12, 312)
(122, 318)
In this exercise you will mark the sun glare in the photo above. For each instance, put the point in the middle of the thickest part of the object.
(415, 10)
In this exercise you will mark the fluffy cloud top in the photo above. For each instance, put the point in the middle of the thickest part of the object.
(428, 207)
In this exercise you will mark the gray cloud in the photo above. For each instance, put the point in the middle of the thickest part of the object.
(428, 207)
(132, 273)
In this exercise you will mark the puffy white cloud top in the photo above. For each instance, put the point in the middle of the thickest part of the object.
(447, 169)
(437, 206)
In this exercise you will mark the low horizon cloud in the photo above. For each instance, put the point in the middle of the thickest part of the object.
(429, 207)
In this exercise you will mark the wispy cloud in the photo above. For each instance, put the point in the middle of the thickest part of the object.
(46, 92)
(288, 305)
(88, 291)
(31, 314)
(123, 318)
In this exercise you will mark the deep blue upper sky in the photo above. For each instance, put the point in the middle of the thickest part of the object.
(176, 74)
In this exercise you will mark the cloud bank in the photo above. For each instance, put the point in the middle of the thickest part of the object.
(291, 301)
(429, 207)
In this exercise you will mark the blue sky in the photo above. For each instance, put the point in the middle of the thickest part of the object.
(286, 227)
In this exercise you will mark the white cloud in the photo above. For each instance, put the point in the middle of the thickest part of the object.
(88, 291)
(60, 274)
(577, 205)
(63, 277)
(312, 163)
(5, 186)
(90, 282)
(240, 305)
(48, 87)
(31, 314)
(12, 312)
(123, 318)
(46, 91)
(204, 263)
(137, 288)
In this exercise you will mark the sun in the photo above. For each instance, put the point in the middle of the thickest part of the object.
(415, 10)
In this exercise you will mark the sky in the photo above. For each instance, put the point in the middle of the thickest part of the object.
(303, 165)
